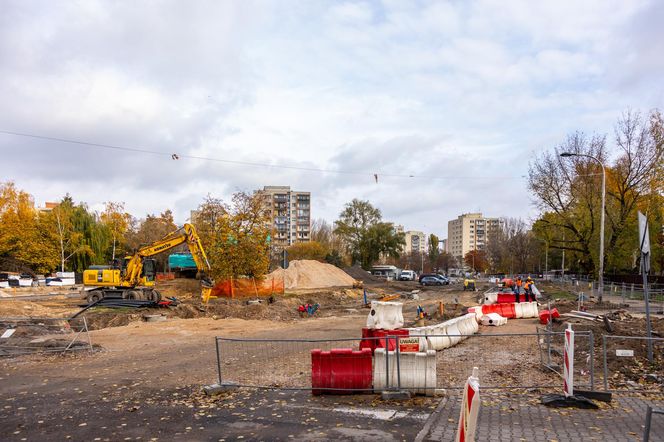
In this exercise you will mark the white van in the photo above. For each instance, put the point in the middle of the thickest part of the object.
(407, 275)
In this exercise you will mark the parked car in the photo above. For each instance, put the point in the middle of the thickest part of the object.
(431, 280)
(407, 275)
(443, 279)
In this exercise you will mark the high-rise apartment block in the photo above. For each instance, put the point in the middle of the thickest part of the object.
(415, 242)
(290, 214)
(470, 231)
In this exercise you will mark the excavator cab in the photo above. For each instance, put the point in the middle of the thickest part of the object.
(149, 271)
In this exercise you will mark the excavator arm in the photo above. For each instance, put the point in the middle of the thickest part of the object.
(185, 234)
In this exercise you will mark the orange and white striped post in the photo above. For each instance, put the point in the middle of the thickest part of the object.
(568, 356)
(470, 408)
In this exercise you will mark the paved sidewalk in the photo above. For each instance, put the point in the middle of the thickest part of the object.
(515, 417)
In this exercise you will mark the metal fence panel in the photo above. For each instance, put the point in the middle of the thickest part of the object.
(21, 336)
(625, 365)
(521, 361)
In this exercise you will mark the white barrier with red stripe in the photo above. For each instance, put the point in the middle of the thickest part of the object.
(568, 368)
(470, 408)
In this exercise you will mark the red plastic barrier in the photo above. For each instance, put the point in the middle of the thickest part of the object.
(379, 335)
(504, 310)
(341, 371)
(508, 298)
(507, 311)
(544, 315)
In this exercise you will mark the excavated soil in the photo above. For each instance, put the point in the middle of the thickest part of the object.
(309, 274)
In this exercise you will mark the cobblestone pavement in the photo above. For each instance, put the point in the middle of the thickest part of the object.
(521, 417)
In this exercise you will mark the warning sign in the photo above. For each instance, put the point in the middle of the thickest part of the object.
(409, 345)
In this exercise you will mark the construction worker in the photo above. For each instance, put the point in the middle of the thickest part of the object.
(517, 288)
(528, 289)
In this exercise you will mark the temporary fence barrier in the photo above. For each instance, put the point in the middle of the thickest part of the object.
(646, 428)
(21, 336)
(287, 363)
(552, 353)
(625, 365)
(247, 287)
(165, 276)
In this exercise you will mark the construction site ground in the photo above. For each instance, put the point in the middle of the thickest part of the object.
(145, 380)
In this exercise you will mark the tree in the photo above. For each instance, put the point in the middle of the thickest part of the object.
(71, 241)
(117, 221)
(146, 231)
(307, 250)
(24, 236)
(445, 261)
(568, 190)
(235, 236)
(434, 251)
(365, 236)
(512, 248)
(476, 260)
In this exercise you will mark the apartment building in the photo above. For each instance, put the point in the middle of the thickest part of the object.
(470, 231)
(290, 215)
(415, 242)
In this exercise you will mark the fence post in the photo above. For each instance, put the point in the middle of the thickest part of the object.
(592, 360)
(646, 429)
(606, 370)
(216, 344)
(623, 293)
(387, 363)
(398, 355)
(631, 294)
(87, 332)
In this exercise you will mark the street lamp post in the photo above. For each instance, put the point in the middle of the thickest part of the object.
(600, 286)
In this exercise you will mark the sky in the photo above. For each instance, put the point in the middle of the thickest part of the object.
(446, 102)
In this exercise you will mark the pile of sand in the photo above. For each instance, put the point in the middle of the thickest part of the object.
(309, 274)
(360, 274)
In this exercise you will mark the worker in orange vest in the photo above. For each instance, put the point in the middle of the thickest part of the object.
(528, 289)
(517, 288)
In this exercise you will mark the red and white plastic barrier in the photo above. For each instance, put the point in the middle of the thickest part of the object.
(470, 408)
(568, 360)
(385, 315)
(340, 371)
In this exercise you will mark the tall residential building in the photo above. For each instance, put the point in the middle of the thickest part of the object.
(470, 231)
(290, 215)
(415, 242)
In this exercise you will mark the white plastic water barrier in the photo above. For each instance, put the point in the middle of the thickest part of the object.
(493, 319)
(490, 298)
(448, 333)
(418, 371)
(386, 315)
(526, 310)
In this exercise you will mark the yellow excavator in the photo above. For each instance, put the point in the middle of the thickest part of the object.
(135, 277)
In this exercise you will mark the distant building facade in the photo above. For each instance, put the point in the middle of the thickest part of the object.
(290, 215)
(470, 231)
(415, 242)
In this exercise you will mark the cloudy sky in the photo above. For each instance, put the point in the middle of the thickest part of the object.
(445, 101)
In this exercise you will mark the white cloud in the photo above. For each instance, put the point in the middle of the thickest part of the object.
(462, 91)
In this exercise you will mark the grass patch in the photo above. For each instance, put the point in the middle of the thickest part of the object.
(561, 294)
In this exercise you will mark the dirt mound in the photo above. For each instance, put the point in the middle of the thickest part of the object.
(357, 272)
(308, 274)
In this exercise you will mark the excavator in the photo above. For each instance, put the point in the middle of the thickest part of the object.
(134, 278)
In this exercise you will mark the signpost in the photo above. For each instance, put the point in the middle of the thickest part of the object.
(644, 241)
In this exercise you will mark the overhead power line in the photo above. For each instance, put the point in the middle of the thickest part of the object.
(178, 156)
